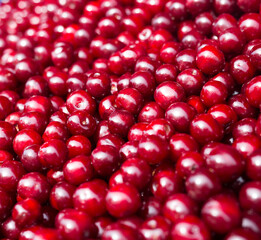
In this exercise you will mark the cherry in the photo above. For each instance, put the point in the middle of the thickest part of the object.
(92, 203)
(244, 127)
(61, 195)
(249, 196)
(122, 200)
(164, 184)
(129, 150)
(204, 23)
(167, 93)
(221, 213)
(150, 111)
(180, 144)
(105, 160)
(210, 60)
(241, 233)
(251, 221)
(153, 149)
(202, 184)
(39, 104)
(120, 231)
(107, 106)
(251, 91)
(53, 153)
(24, 138)
(155, 227)
(190, 227)
(35, 85)
(223, 22)
(204, 128)
(7, 134)
(10, 229)
(151, 207)
(186, 59)
(78, 170)
(81, 123)
(180, 115)
(136, 172)
(78, 145)
(83, 224)
(26, 212)
(39, 232)
(178, 206)
(55, 130)
(34, 185)
(76, 82)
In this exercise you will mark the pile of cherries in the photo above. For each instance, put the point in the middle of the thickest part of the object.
(130, 120)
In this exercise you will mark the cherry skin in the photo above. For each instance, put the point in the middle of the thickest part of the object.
(105, 160)
(223, 22)
(7, 134)
(210, 60)
(180, 115)
(110, 140)
(92, 203)
(251, 221)
(246, 145)
(119, 122)
(251, 91)
(53, 153)
(250, 196)
(241, 69)
(78, 170)
(38, 104)
(202, 184)
(186, 59)
(164, 184)
(35, 85)
(83, 224)
(204, 23)
(120, 231)
(191, 227)
(188, 163)
(10, 229)
(39, 232)
(122, 200)
(26, 212)
(155, 227)
(153, 149)
(167, 93)
(221, 213)
(136, 172)
(25, 138)
(159, 127)
(10, 174)
(244, 127)
(180, 144)
(185, 205)
(61, 196)
(242, 233)
(129, 150)
(150, 111)
(78, 145)
(81, 123)
(55, 130)
(204, 128)
(34, 185)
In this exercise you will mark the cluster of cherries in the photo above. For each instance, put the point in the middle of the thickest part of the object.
(130, 120)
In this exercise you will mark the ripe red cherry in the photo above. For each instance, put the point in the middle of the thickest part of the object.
(136, 172)
(178, 206)
(61, 195)
(78, 170)
(105, 160)
(122, 200)
(210, 60)
(26, 187)
(250, 196)
(26, 212)
(83, 224)
(25, 138)
(202, 184)
(55, 130)
(242, 233)
(221, 213)
(120, 121)
(10, 173)
(39, 232)
(204, 128)
(92, 203)
(164, 184)
(150, 111)
(7, 134)
(180, 144)
(129, 150)
(167, 93)
(186, 59)
(110, 140)
(53, 153)
(153, 149)
(253, 165)
(223, 22)
(10, 229)
(251, 91)
(190, 227)
(180, 115)
(188, 163)
(251, 221)
(78, 145)
(157, 227)
(81, 123)
(166, 72)
(80, 101)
